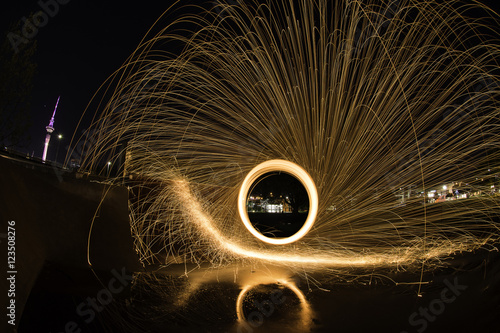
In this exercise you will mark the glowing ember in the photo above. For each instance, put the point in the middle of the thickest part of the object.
(392, 111)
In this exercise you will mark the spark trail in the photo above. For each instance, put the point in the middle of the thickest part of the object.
(380, 102)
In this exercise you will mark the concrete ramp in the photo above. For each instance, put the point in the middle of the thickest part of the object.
(54, 213)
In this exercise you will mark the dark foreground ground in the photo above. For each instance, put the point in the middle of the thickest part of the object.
(465, 297)
(277, 224)
(58, 291)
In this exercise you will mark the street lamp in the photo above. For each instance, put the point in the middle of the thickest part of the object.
(59, 137)
(109, 163)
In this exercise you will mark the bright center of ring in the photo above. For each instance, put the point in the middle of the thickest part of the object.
(278, 202)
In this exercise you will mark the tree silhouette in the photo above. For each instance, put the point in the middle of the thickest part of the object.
(17, 68)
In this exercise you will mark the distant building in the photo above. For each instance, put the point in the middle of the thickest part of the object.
(273, 208)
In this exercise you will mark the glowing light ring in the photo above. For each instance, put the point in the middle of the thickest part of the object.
(306, 312)
(294, 170)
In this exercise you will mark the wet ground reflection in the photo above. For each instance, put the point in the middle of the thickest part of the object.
(238, 299)
(462, 297)
(280, 303)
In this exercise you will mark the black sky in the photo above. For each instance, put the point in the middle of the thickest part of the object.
(84, 43)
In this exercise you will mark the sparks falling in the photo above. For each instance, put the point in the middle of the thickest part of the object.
(381, 103)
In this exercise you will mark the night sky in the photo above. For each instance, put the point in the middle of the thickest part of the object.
(84, 43)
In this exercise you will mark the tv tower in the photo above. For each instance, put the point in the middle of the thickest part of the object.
(49, 129)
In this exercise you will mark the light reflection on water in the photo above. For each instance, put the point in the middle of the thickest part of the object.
(240, 299)
(262, 300)
(183, 298)
(266, 298)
